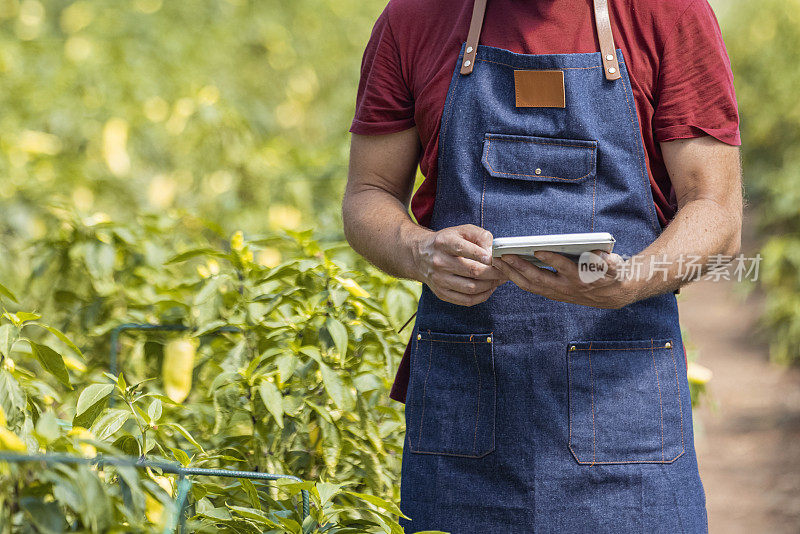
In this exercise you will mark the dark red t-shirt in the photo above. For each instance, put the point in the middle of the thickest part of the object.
(678, 65)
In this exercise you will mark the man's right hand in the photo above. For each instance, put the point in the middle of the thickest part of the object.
(456, 263)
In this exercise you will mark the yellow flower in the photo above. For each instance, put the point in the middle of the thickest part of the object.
(237, 241)
(699, 374)
(352, 286)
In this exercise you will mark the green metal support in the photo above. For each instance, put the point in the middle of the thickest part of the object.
(177, 519)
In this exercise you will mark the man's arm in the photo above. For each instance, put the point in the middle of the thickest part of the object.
(455, 262)
(706, 175)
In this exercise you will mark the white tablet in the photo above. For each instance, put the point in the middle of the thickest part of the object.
(571, 245)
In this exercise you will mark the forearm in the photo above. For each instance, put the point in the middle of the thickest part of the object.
(702, 230)
(377, 226)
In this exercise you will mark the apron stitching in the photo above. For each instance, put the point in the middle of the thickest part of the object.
(483, 194)
(638, 142)
(424, 388)
(569, 404)
(594, 187)
(660, 403)
(680, 401)
(533, 175)
(591, 391)
(534, 142)
(494, 391)
(622, 462)
(563, 68)
(445, 341)
(643, 348)
(449, 112)
(478, 409)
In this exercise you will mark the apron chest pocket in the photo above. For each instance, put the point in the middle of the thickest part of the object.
(624, 402)
(539, 159)
(544, 185)
(452, 395)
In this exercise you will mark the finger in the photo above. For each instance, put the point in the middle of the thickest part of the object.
(530, 281)
(461, 299)
(614, 262)
(471, 269)
(529, 270)
(562, 264)
(481, 237)
(461, 284)
(455, 244)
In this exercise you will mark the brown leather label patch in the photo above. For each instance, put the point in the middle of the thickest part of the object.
(539, 88)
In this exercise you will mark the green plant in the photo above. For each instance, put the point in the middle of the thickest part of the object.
(764, 45)
(301, 388)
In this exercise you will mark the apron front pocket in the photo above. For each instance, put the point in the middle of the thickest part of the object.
(539, 159)
(624, 402)
(451, 401)
(538, 185)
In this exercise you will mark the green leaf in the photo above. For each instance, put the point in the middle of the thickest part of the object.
(56, 332)
(91, 403)
(338, 391)
(45, 517)
(272, 399)
(47, 428)
(12, 398)
(189, 254)
(111, 421)
(181, 456)
(252, 492)
(8, 335)
(154, 411)
(127, 444)
(338, 333)
(24, 317)
(311, 352)
(52, 362)
(253, 514)
(4, 291)
(185, 433)
(380, 503)
(326, 491)
(287, 364)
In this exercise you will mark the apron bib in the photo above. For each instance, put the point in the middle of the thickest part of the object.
(525, 414)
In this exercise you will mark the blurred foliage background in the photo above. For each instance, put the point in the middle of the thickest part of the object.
(132, 131)
(763, 41)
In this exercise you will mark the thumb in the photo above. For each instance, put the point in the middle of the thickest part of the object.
(476, 234)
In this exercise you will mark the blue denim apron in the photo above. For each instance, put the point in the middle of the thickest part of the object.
(526, 414)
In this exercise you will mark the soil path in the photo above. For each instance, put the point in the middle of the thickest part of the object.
(749, 443)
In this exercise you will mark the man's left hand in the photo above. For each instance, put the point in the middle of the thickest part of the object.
(565, 285)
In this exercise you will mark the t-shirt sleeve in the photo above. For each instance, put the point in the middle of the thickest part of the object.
(695, 94)
(384, 103)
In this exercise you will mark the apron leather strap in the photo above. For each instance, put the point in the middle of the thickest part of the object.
(606, 38)
(602, 21)
(474, 35)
